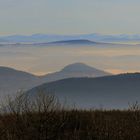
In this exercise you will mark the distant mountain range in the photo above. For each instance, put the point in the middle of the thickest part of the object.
(39, 38)
(12, 80)
(76, 83)
(70, 42)
(78, 42)
(75, 70)
(107, 92)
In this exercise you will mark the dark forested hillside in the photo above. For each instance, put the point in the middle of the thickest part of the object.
(109, 91)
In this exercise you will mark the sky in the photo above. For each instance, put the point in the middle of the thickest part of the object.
(26, 17)
(69, 16)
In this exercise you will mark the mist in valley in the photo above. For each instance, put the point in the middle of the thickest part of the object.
(41, 60)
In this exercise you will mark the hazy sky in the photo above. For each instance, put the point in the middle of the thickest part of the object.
(69, 16)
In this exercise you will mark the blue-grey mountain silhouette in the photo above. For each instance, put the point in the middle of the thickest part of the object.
(75, 70)
(109, 91)
(12, 80)
(48, 38)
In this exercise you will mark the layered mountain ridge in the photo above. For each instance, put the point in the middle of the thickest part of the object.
(12, 80)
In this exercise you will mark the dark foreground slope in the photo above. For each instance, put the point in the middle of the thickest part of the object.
(71, 125)
(45, 119)
(109, 91)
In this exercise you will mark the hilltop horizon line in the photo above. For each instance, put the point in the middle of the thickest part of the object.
(66, 67)
(98, 37)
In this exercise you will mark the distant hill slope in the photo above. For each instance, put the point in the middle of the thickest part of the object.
(70, 42)
(12, 80)
(75, 70)
(73, 42)
(108, 92)
(50, 38)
